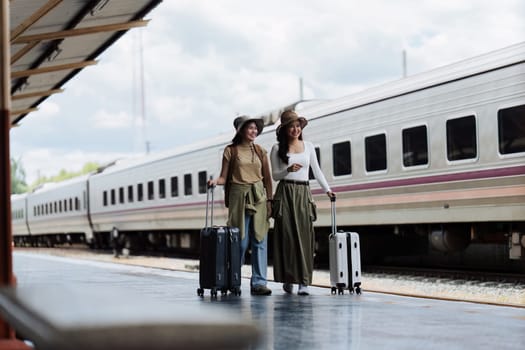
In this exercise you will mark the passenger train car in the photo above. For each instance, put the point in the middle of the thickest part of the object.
(428, 168)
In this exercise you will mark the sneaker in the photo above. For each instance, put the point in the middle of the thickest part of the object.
(288, 288)
(303, 290)
(261, 290)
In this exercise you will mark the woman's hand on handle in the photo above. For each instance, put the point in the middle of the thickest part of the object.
(331, 195)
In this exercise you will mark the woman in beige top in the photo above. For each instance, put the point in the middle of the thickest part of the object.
(245, 173)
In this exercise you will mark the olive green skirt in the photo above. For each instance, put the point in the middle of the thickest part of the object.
(293, 239)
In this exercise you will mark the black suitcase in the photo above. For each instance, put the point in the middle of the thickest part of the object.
(220, 260)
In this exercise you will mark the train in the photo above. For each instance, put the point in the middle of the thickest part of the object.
(429, 169)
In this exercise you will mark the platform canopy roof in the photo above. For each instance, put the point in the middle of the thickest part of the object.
(53, 40)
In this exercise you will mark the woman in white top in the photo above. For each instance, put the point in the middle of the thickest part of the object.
(294, 210)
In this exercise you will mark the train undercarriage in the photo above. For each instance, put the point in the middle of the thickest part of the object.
(488, 246)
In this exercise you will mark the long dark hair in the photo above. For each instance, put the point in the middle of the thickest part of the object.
(284, 147)
(237, 139)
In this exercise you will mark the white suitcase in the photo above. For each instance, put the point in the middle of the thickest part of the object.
(345, 259)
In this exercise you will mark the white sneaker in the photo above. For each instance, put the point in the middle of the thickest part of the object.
(303, 290)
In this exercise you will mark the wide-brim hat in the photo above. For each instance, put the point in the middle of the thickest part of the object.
(288, 117)
(239, 122)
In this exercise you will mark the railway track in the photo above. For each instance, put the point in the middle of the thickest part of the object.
(439, 274)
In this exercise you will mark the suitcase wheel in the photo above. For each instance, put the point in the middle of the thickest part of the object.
(358, 290)
(236, 291)
(200, 292)
(224, 292)
(334, 290)
(213, 293)
(340, 291)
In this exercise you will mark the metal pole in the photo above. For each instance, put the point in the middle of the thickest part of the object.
(301, 94)
(404, 63)
(6, 263)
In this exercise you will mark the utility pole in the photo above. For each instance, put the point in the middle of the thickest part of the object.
(138, 95)
(301, 96)
(143, 94)
(404, 63)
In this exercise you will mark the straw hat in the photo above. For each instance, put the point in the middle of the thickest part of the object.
(288, 117)
(239, 122)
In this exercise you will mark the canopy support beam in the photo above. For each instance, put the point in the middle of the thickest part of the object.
(6, 262)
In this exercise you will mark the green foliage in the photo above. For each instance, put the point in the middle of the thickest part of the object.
(66, 175)
(18, 177)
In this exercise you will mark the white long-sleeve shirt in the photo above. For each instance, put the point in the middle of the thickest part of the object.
(307, 158)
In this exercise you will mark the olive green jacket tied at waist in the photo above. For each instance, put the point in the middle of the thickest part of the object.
(249, 199)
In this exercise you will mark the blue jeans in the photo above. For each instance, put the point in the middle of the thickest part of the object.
(259, 254)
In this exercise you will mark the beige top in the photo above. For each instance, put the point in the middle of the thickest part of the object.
(249, 166)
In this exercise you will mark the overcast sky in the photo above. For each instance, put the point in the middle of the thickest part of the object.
(207, 61)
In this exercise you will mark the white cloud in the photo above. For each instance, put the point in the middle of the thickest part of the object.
(207, 61)
(47, 111)
(48, 162)
(107, 120)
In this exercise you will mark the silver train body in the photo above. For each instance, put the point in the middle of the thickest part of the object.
(439, 155)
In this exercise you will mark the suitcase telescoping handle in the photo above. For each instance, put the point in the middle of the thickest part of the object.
(210, 189)
(332, 212)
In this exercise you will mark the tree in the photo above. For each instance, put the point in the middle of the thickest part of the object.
(18, 177)
(66, 175)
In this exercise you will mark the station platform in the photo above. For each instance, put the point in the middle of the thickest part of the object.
(318, 321)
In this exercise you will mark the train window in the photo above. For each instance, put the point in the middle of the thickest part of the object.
(187, 185)
(140, 192)
(113, 201)
(202, 181)
(59, 206)
(318, 154)
(461, 138)
(375, 152)
(151, 188)
(511, 130)
(65, 205)
(70, 204)
(130, 194)
(162, 188)
(415, 146)
(34, 211)
(151, 193)
(55, 207)
(174, 186)
(105, 198)
(342, 163)
(47, 208)
(121, 195)
(77, 203)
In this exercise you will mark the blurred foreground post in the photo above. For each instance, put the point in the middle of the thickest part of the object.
(6, 267)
